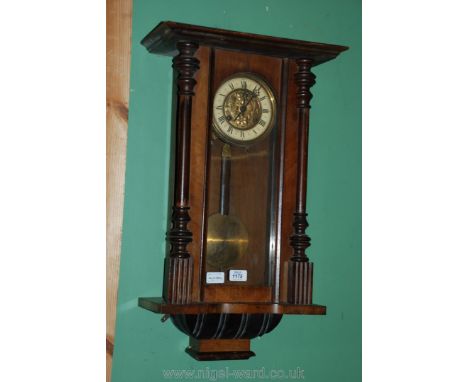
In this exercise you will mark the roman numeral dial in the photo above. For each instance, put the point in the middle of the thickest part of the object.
(244, 109)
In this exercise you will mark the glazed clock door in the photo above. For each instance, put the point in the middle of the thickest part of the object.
(241, 198)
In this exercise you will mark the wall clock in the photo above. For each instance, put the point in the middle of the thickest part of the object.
(236, 259)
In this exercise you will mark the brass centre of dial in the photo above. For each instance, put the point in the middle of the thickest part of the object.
(242, 109)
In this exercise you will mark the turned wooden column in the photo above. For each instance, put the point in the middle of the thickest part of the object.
(179, 264)
(300, 270)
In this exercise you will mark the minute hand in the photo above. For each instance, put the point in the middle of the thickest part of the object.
(244, 107)
(250, 99)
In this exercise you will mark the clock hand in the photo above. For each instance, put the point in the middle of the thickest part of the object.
(244, 97)
(244, 106)
(251, 97)
(238, 115)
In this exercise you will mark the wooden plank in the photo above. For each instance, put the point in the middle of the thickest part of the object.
(158, 305)
(118, 32)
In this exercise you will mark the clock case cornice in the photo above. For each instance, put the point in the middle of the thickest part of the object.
(164, 37)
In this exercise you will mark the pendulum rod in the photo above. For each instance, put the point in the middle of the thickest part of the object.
(225, 180)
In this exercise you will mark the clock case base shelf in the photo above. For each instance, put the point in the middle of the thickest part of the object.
(222, 331)
(158, 305)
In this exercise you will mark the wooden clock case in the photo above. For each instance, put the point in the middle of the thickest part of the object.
(221, 319)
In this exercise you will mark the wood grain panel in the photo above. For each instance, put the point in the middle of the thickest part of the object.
(218, 345)
(158, 305)
(198, 150)
(250, 171)
(289, 178)
(234, 293)
(118, 42)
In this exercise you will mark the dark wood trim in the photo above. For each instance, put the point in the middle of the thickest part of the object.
(158, 305)
(304, 79)
(179, 265)
(300, 271)
(224, 326)
(300, 280)
(210, 79)
(185, 64)
(164, 37)
(280, 147)
(178, 284)
(217, 350)
(289, 182)
(198, 146)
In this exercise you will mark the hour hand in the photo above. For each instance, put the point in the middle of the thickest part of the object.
(250, 99)
(244, 97)
(238, 114)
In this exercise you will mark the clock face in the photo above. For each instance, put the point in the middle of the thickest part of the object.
(244, 109)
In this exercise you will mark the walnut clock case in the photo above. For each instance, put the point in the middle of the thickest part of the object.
(236, 258)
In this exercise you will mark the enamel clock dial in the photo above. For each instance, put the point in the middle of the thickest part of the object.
(244, 109)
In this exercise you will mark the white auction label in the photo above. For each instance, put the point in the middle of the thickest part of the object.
(215, 277)
(237, 275)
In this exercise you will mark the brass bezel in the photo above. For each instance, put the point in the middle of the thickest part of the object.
(268, 89)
